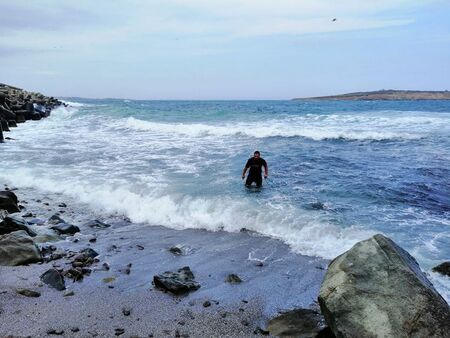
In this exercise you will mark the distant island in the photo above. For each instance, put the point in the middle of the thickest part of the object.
(390, 95)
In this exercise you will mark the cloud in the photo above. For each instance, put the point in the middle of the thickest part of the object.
(88, 26)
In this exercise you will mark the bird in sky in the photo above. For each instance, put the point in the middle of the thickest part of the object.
(334, 20)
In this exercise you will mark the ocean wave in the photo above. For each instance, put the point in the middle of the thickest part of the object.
(303, 233)
(75, 104)
(316, 128)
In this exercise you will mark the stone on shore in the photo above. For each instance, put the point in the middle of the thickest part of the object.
(18, 248)
(232, 278)
(65, 229)
(443, 269)
(10, 224)
(376, 289)
(54, 278)
(96, 224)
(28, 293)
(179, 282)
(300, 323)
(8, 201)
(55, 219)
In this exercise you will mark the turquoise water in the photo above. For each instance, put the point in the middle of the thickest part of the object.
(339, 171)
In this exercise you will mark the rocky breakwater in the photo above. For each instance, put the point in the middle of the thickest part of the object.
(18, 105)
(376, 289)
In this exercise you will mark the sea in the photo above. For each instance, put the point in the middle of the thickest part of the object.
(339, 171)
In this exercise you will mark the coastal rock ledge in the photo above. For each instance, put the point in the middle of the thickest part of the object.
(376, 289)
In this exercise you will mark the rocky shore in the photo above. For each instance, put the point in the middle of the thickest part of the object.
(18, 105)
(66, 272)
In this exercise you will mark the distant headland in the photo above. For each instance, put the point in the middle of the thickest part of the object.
(390, 95)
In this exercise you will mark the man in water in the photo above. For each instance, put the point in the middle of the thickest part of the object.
(255, 164)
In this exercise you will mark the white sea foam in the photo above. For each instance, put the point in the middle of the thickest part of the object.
(316, 127)
(75, 104)
(303, 233)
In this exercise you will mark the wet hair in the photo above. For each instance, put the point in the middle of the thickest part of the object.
(256, 153)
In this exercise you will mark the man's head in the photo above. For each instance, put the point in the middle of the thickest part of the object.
(256, 154)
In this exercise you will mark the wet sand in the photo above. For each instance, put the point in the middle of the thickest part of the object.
(274, 279)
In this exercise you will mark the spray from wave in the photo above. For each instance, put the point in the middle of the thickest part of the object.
(150, 205)
(310, 126)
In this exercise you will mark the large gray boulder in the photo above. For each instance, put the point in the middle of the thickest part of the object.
(17, 248)
(376, 289)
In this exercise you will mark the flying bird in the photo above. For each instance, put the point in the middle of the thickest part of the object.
(334, 20)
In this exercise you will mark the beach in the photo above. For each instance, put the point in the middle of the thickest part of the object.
(271, 275)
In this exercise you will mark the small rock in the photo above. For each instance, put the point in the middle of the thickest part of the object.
(53, 278)
(68, 293)
(74, 329)
(105, 266)
(297, 323)
(244, 322)
(92, 240)
(62, 205)
(259, 263)
(96, 224)
(109, 279)
(176, 250)
(126, 311)
(119, 331)
(207, 304)
(89, 252)
(65, 229)
(140, 247)
(55, 219)
(233, 279)
(55, 332)
(178, 282)
(28, 293)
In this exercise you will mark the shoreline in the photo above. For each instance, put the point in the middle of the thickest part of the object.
(236, 310)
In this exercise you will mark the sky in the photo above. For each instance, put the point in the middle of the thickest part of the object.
(227, 49)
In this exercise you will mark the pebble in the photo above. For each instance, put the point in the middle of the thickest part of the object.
(74, 329)
(55, 332)
(126, 312)
(28, 293)
(119, 331)
(207, 304)
(68, 293)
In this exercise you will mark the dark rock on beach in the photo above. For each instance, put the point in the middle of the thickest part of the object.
(443, 269)
(54, 278)
(89, 252)
(96, 224)
(176, 250)
(8, 201)
(179, 282)
(376, 289)
(55, 219)
(65, 229)
(301, 323)
(18, 248)
(233, 279)
(28, 293)
(11, 223)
